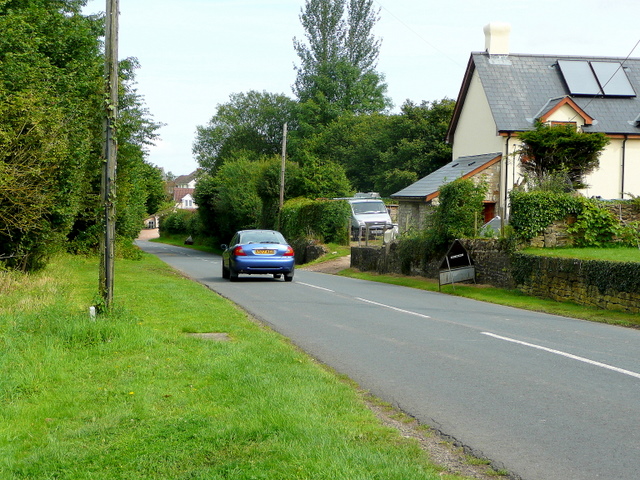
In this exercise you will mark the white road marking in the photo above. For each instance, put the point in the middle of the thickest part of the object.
(393, 308)
(315, 286)
(565, 354)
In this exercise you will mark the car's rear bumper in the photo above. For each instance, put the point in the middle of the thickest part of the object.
(253, 265)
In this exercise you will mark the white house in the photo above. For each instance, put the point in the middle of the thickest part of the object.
(503, 94)
(183, 191)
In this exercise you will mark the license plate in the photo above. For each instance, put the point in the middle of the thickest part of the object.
(264, 251)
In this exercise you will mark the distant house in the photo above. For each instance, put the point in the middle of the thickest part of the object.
(186, 181)
(503, 94)
(183, 190)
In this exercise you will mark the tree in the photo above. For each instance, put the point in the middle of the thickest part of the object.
(51, 108)
(337, 64)
(560, 149)
(50, 78)
(384, 153)
(228, 200)
(419, 138)
(249, 125)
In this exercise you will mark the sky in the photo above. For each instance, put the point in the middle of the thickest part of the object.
(195, 53)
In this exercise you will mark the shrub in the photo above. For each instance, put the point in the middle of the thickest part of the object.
(180, 222)
(325, 220)
(532, 212)
(595, 226)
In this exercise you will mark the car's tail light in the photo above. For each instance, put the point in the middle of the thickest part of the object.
(238, 252)
(289, 252)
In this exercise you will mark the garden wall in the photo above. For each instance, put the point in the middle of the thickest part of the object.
(607, 285)
(594, 283)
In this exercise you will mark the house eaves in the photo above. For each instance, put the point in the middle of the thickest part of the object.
(428, 188)
(464, 89)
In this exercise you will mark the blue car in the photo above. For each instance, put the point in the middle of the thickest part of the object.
(258, 251)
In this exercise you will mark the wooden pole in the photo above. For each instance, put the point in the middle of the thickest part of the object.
(108, 184)
(282, 168)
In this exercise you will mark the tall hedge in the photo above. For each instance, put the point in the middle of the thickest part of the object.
(325, 220)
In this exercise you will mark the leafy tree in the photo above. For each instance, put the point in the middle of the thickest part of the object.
(50, 78)
(268, 187)
(385, 153)
(337, 63)
(32, 145)
(249, 125)
(229, 199)
(560, 149)
(418, 134)
(324, 179)
(51, 84)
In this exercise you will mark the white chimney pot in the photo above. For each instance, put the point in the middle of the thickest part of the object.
(496, 38)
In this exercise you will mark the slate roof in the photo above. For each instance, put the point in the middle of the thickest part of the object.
(518, 88)
(462, 167)
(185, 179)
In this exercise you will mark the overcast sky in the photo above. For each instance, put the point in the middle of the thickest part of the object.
(195, 53)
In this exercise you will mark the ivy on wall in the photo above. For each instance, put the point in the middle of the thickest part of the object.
(594, 224)
(532, 212)
(606, 276)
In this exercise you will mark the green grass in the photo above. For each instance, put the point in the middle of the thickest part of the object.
(133, 396)
(334, 251)
(203, 245)
(608, 254)
(512, 298)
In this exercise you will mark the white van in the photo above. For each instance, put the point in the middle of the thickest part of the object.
(368, 211)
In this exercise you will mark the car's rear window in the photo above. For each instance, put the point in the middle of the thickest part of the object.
(261, 237)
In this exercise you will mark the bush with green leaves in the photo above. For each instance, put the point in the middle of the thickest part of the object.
(324, 220)
(455, 216)
(185, 222)
(561, 149)
(460, 209)
(532, 212)
(593, 224)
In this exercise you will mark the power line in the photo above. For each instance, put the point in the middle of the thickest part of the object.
(610, 78)
(416, 33)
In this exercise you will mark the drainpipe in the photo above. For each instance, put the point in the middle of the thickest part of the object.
(505, 212)
(622, 167)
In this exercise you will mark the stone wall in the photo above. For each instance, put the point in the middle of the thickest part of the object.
(594, 283)
(607, 285)
(492, 262)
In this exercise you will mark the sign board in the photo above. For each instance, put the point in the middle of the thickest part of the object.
(456, 266)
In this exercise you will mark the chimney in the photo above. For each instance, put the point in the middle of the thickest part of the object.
(496, 38)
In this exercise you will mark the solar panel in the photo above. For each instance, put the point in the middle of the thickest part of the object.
(613, 79)
(579, 77)
(596, 78)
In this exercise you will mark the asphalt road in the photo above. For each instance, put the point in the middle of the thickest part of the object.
(544, 397)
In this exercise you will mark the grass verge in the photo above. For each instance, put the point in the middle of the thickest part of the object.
(134, 396)
(511, 298)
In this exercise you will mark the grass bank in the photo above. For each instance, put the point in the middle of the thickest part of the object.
(134, 395)
(511, 298)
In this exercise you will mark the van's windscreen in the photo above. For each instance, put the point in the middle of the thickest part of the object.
(369, 207)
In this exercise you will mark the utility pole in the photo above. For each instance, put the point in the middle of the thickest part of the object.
(108, 184)
(282, 168)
